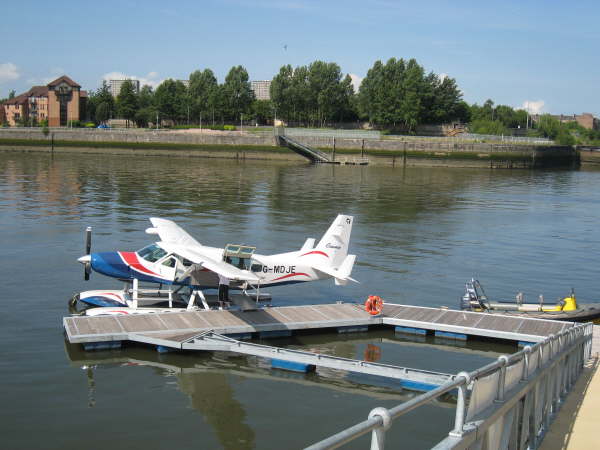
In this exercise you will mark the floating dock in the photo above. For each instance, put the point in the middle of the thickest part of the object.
(282, 321)
(512, 399)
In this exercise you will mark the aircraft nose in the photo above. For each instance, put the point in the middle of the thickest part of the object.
(110, 264)
(85, 259)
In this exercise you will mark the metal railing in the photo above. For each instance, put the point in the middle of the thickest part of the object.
(511, 139)
(512, 401)
(311, 153)
(472, 138)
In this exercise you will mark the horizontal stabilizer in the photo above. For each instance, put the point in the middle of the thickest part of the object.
(342, 273)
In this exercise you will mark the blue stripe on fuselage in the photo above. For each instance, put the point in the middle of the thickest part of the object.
(112, 265)
(98, 300)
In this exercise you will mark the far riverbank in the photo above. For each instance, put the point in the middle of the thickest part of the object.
(241, 145)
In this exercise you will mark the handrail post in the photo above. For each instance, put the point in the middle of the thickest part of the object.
(378, 434)
(459, 419)
(503, 360)
(526, 356)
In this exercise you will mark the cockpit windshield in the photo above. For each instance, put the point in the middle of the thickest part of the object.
(151, 253)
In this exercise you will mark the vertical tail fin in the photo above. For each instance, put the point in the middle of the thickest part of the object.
(336, 240)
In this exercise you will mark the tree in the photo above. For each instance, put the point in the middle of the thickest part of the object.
(11, 94)
(103, 97)
(328, 96)
(171, 100)
(281, 92)
(369, 103)
(347, 105)
(396, 94)
(315, 94)
(548, 126)
(203, 93)
(146, 113)
(144, 116)
(237, 95)
(127, 102)
(146, 97)
(262, 111)
(411, 109)
(102, 113)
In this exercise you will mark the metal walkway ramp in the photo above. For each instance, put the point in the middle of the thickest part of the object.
(312, 154)
(414, 379)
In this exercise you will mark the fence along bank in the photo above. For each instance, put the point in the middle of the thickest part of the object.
(245, 145)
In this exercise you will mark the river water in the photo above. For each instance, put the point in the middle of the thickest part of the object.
(419, 234)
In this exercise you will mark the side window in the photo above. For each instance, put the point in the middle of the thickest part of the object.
(170, 262)
(256, 267)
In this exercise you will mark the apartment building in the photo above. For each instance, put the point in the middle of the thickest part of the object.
(261, 89)
(59, 102)
(115, 86)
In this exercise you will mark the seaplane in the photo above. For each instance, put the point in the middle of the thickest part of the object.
(184, 269)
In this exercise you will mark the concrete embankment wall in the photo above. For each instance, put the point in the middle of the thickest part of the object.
(590, 156)
(409, 152)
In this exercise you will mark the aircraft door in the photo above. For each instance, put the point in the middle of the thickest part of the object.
(168, 268)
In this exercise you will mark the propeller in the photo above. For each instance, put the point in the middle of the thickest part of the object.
(87, 258)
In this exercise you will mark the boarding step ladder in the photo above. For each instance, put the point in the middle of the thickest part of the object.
(311, 153)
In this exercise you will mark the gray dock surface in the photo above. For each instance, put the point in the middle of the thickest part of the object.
(473, 323)
(181, 326)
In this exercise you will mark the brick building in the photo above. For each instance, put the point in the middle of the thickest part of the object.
(59, 102)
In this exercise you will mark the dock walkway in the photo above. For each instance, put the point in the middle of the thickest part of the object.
(576, 425)
(343, 316)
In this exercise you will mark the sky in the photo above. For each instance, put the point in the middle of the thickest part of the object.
(544, 55)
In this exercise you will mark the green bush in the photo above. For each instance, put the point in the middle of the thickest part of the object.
(484, 126)
(89, 125)
(565, 138)
(229, 127)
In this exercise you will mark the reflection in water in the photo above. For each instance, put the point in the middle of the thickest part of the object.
(89, 371)
(372, 353)
(214, 398)
(70, 183)
(211, 379)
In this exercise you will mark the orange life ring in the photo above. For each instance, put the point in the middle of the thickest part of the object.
(374, 305)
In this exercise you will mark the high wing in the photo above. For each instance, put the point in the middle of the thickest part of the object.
(196, 256)
(171, 233)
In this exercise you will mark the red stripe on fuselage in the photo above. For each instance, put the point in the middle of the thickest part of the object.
(316, 252)
(132, 260)
(292, 275)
